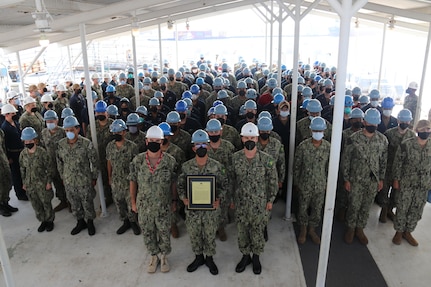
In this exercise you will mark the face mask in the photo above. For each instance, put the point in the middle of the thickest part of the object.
(153, 109)
(70, 135)
(146, 88)
(403, 126)
(347, 111)
(317, 136)
(423, 135)
(117, 137)
(153, 146)
(222, 121)
(171, 79)
(241, 93)
(249, 115)
(124, 109)
(357, 125)
(33, 110)
(51, 126)
(15, 117)
(201, 152)
(264, 136)
(122, 82)
(249, 145)
(374, 104)
(133, 129)
(163, 87)
(355, 98)
(174, 129)
(182, 116)
(29, 145)
(328, 90)
(101, 117)
(194, 97)
(387, 113)
(50, 105)
(371, 129)
(165, 142)
(154, 79)
(284, 114)
(214, 139)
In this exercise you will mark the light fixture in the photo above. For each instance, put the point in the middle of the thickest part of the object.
(170, 24)
(187, 24)
(43, 40)
(391, 23)
(135, 27)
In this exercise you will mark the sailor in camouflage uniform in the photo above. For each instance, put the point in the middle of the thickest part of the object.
(229, 133)
(412, 178)
(152, 188)
(256, 185)
(310, 174)
(134, 134)
(180, 137)
(36, 167)
(314, 108)
(78, 166)
(202, 224)
(364, 168)
(123, 89)
(119, 153)
(31, 117)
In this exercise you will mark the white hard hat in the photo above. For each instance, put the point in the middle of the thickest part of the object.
(95, 76)
(29, 100)
(11, 95)
(413, 85)
(106, 75)
(68, 79)
(155, 132)
(61, 88)
(82, 75)
(46, 98)
(249, 130)
(7, 109)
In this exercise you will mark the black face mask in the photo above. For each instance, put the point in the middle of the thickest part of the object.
(153, 146)
(165, 141)
(222, 121)
(357, 125)
(174, 129)
(249, 145)
(182, 116)
(117, 137)
(423, 135)
(214, 139)
(249, 115)
(125, 109)
(356, 98)
(163, 87)
(171, 79)
(111, 97)
(264, 136)
(201, 152)
(33, 110)
(29, 145)
(403, 126)
(101, 117)
(241, 93)
(50, 105)
(371, 129)
(328, 90)
(154, 79)
(153, 109)
(15, 117)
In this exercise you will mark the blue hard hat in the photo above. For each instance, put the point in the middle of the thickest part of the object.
(357, 113)
(154, 102)
(110, 89)
(210, 111)
(317, 78)
(250, 105)
(328, 82)
(218, 82)
(70, 122)
(158, 95)
(142, 110)
(112, 110)
(271, 83)
(122, 76)
(305, 103)
(251, 94)
(301, 80)
(241, 85)
(200, 136)
(188, 102)
(364, 99)
(213, 125)
(264, 124)
(28, 133)
(117, 126)
(318, 124)
(163, 80)
(67, 112)
(194, 89)
(278, 98)
(307, 92)
(348, 101)
(146, 80)
(166, 128)
(186, 95)
(141, 75)
(300, 88)
(200, 81)
(249, 80)
(374, 94)
(264, 114)
(405, 115)
(173, 117)
(217, 102)
(132, 119)
(50, 115)
(356, 91)
(222, 94)
(372, 116)
(388, 103)
(100, 107)
(314, 106)
(220, 110)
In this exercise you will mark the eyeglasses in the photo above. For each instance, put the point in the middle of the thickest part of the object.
(201, 145)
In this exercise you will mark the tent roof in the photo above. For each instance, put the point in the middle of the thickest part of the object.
(110, 17)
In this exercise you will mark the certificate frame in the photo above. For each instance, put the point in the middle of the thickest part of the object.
(201, 191)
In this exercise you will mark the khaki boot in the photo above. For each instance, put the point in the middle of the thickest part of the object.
(397, 238)
(164, 265)
(302, 234)
(408, 236)
(383, 215)
(154, 261)
(174, 230)
(361, 236)
(348, 237)
(314, 237)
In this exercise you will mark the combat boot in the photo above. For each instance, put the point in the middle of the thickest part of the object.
(154, 261)
(209, 261)
(49, 226)
(348, 237)
(4, 211)
(135, 227)
(222, 234)
(91, 228)
(246, 260)
(302, 234)
(174, 230)
(361, 236)
(79, 226)
(62, 205)
(42, 227)
(314, 237)
(164, 265)
(257, 268)
(383, 215)
(408, 236)
(123, 228)
(199, 261)
(397, 238)
(8, 207)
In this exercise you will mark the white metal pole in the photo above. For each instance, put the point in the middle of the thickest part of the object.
(271, 35)
(102, 60)
(20, 73)
(280, 42)
(5, 262)
(91, 113)
(424, 70)
(135, 65)
(176, 46)
(160, 49)
(382, 54)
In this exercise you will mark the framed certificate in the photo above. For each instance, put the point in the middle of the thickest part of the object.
(201, 191)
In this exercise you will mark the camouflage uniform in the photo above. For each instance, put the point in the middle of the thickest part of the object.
(153, 200)
(36, 173)
(138, 139)
(50, 142)
(303, 130)
(5, 178)
(60, 104)
(98, 90)
(412, 167)
(411, 103)
(78, 166)
(143, 101)
(203, 224)
(35, 121)
(237, 102)
(275, 149)
(183, 140)
(177, 88)
(231, 135)
(256, 184)
(125, 90)
(310, 174)
(120, 159)
(364, 165)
